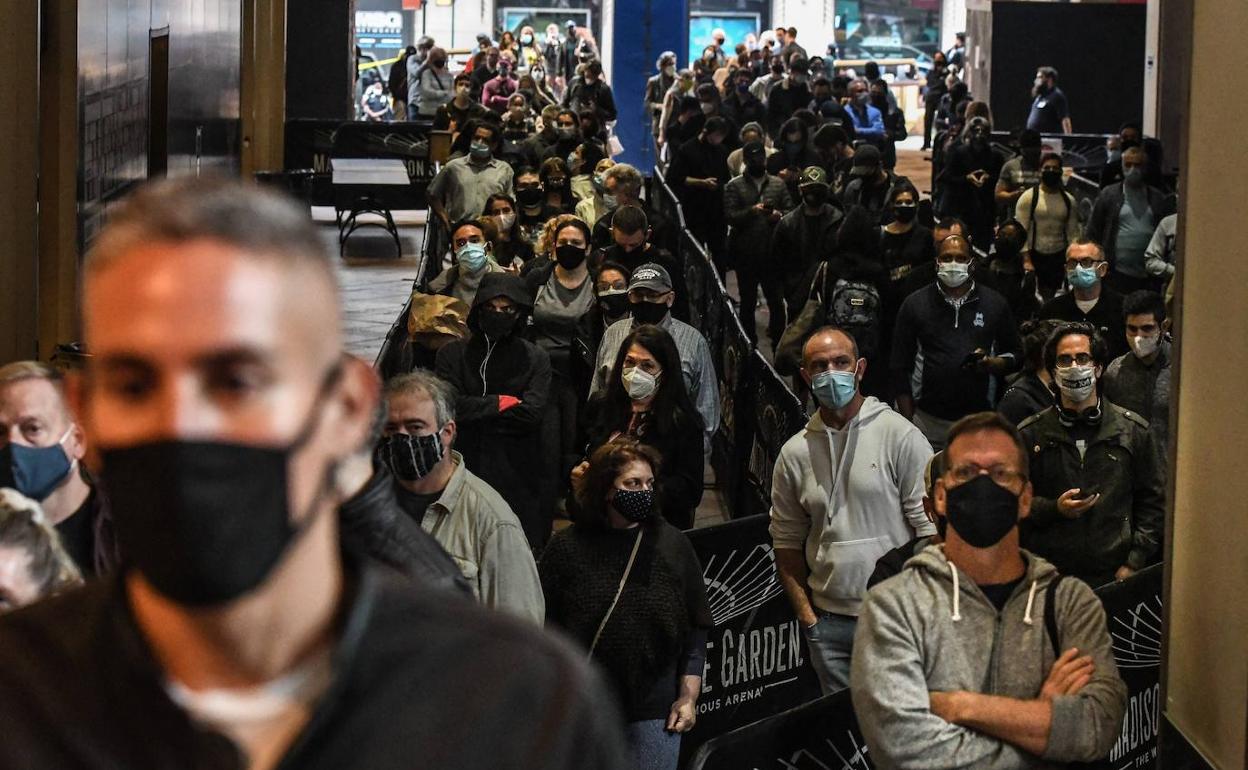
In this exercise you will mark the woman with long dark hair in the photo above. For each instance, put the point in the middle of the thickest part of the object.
(646, 399)
(627, 585)
(511, 250)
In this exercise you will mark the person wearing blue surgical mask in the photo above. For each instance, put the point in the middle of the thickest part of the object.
(1089, 300)
(473, 260)
(41, 447)
(846, 490)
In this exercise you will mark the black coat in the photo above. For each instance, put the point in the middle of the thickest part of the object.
(1105, 315)
(502, 448)
(79, 688)
(797, 243)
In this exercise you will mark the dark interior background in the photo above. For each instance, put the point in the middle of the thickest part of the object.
(1097, 48)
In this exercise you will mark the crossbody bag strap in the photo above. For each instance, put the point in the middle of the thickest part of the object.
(628, 568)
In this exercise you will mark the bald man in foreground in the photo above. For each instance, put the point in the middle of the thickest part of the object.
(241, 635)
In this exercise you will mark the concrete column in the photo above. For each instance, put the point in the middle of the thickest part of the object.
(1205, 653)
(19, 158)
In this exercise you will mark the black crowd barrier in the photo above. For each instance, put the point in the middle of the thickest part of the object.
(825, 733)
(758, 411)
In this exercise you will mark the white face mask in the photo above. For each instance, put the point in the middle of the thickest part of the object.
(953, 274)
(1077, 383)
(1144, 347)
(639, 384)
(505, 221)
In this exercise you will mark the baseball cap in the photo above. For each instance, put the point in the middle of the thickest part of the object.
(866, 160)
(570, 24)
(753, 149)
(651, 276)
(813, 175)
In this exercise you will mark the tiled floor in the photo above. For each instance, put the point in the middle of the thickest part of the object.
(375, 285)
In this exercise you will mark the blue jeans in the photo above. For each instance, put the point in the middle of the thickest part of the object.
(831, 643)
(654, 748)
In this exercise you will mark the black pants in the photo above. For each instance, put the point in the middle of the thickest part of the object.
(930, 104)
(1050, 272)
(750, 276)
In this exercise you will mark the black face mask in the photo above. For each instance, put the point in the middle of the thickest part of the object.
(496, 324)
(529, 196)
(981, 511)
(410, 458)
(1031, 156)
(569, 256)
(636, 505)
(814, 198)
(905, 214)
(649, 312)
(756, 168)
(1051, 178)
(613, 305)
(206, 522)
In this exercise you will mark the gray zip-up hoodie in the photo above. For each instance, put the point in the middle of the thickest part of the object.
(932, 629)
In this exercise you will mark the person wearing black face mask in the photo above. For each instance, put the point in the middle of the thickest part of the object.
(1009, 274)
(753, 203)
(698, 173)
(1048, 217)
(906, 255)
(626, 585)
(564, 295)
(502, 383)
(968, 601)
(805, 236)
(740, 106)
(793, 154)
(870, 182)
(1050, 112)
(970, 176)
(222, 410)
(437, 492)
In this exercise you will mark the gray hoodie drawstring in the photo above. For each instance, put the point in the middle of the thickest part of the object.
(954, 572)
(1031, 598)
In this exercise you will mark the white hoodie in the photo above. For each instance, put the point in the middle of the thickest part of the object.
(848, 497)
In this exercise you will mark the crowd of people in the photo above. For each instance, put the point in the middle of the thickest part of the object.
(290, 547)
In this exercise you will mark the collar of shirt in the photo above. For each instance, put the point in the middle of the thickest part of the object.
(956, 302)
(445, 504)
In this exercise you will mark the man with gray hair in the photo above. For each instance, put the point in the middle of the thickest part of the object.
(41, 449)
(463, 513)
(240, 634)
(624, 182)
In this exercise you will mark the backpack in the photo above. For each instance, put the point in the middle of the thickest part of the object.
(855, 307)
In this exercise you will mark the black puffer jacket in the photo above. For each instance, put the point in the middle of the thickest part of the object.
(372, 524)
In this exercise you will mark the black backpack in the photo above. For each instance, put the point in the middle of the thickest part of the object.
(855, 307)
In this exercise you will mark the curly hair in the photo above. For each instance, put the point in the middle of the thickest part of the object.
(605, 465)
(24, 528)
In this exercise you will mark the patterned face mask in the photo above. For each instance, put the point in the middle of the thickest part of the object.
(410, 458)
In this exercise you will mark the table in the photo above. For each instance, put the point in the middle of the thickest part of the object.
(367, 186)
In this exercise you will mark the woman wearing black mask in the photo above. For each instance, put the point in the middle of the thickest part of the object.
(557, 184)
(905, 249)
(502, 381)
(646, 399)
(564, 295)
(628, 587)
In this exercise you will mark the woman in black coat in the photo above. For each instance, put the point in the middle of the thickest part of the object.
(646, 398)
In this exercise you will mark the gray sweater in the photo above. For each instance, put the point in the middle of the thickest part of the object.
(932, 629)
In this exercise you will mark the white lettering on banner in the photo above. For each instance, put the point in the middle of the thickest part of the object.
(750, 656)
(1140, 724)
(378, 22)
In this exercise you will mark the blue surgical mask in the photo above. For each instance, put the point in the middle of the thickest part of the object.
(479, 150)
(610, 202)
(34, 471)
(834, 389)
(472, 256)
(1083, 277)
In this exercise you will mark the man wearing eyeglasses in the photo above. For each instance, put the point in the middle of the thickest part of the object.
(978, 654)
(1088, 299)
(953, 341)
(1100, 497)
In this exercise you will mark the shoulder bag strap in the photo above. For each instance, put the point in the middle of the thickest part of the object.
(627, 569)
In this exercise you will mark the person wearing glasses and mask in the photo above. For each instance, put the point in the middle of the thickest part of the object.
(626, 585)
(1089, 299)
(980, 651)
(651, 296)
(965, 337)
(474, 259)
(1100, 494)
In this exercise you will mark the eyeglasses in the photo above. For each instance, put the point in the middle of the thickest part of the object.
(1001, 475)
(1065, 361)
(1084, 262)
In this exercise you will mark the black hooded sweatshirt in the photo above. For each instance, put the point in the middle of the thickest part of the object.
(503, 447)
